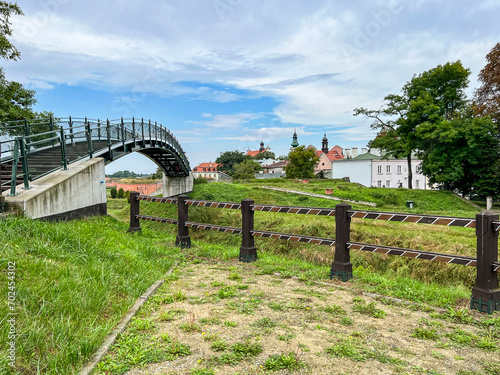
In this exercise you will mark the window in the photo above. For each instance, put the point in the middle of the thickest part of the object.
(418, 169)
(388, 184)
(417, 184)
(400, 169)
(379, 169)
(388, 169)
(379, 182)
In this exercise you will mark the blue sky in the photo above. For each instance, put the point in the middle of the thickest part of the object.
(226, 74)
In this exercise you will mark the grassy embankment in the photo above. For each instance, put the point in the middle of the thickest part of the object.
(386, 274)
(75, 280)
(73, 283)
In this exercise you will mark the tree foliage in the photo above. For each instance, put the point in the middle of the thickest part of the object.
(461, 154)
(15, 101)
(228, 159)
(265, 155)
(246, 170)
(487, 96)
(302, 161)
(7, 50)
(428, 98)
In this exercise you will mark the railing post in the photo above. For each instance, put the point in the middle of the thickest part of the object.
(89, 137)
(27, 133)
(108, 135)
(142, 132)
(64, 156)
(15, 161)
(248, 251)
(183, 240)
(135, 224)
(24, 163)
(122, 124)
(133, 130)
(150, 132)
(51, 127)
(98, 129)
(342, 266)
(486, 293)
(156, 132)
(71, 130)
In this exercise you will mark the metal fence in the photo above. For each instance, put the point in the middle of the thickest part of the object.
(485, 294)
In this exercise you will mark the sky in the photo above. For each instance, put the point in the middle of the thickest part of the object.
(224, 75)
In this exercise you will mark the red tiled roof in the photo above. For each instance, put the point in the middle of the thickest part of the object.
(253, 153)
(209, 167)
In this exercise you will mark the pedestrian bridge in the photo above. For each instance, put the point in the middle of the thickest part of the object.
(54, 167)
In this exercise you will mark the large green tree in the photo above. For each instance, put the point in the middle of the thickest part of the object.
(246, 170)
(429, 97)
(302, 161)
(16, 101)
(461, 154)
(487, 96)
(265, 155)
(228, 159)
(7, 49)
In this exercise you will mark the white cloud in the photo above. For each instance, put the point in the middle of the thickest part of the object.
(234, 121)
(316, 60)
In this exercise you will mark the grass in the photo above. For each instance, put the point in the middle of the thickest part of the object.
(288, 362)
(404, 235)
(74, 282)
(264, 342)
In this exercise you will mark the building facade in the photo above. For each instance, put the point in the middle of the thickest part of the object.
(371, 170)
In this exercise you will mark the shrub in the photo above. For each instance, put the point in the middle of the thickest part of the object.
(113, 192)
(121, 193)
(127, 196)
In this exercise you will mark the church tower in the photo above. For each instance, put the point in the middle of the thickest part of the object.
(324, 145)
(261, 149)
(295, 143)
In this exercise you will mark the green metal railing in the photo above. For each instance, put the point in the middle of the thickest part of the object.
(21, 141)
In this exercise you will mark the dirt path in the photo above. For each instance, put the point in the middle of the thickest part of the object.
(226, 318)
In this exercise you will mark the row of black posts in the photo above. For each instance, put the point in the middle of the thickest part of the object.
(485, 294)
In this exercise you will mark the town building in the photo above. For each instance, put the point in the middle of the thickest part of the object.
(259, 151)
(326, 155)
(371, 170)
(207, 171)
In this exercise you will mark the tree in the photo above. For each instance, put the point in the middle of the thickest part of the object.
(435, 94)
(15, 101)
(246, 170)
(227, 160)
(487, 97)
(158, 174)
(265, 155)
(113, 192)
(462, 154)
(121, 193)
(7, 50)
(302, 162)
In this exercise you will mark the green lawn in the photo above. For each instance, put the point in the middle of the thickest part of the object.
(74, 281)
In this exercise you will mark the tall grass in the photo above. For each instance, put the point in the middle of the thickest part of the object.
(441, 239)
(74, 281)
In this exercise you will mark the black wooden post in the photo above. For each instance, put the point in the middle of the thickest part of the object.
(342, 266)
(183, 240)
(248, 251)
(486, 293)
(135, 224)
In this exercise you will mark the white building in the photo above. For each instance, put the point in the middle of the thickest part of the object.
(371, 170)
